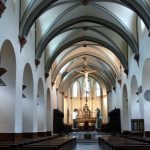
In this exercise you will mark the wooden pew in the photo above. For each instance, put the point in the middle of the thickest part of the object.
(4, 145)
(120, 143)
(137, 138)
(61, 143)
(36, 148)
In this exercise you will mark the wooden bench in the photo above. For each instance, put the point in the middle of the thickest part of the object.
(61, 143)
(137, 138)
(36, 148)
(120, 143)
(4, 145)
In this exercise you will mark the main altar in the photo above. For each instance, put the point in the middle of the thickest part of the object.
(86, 123)
(85, 119)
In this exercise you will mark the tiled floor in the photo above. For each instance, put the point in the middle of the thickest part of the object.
(87, 146)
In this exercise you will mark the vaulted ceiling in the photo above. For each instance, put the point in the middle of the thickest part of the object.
(102, 31)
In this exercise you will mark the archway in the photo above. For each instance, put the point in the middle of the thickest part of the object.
(27, 100)
(7, 92)
(125, 112)
(40, 106)
(135, 106)
(48, 110)
(146, 92)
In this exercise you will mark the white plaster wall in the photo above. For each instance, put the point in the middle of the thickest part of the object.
(48, 127)
(9, 25)
(7, 93)
(27, 103)
(135, 105)
(53, 103)
(144, 41)
(137, 70)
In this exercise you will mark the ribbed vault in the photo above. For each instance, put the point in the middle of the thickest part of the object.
(100, 31)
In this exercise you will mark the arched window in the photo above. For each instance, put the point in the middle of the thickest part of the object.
(87, 90)
(98, 92)
(75, 89)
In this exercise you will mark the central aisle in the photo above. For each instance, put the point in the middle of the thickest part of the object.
(84, 143)
(87, 146)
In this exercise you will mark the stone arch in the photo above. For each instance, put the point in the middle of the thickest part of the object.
(27, 99)
(135, 105)
(146, 91)
(40, 106)
(8, 90)
(48, 110)
(125, 111)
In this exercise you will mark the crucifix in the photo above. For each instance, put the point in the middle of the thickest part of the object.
(86, 73)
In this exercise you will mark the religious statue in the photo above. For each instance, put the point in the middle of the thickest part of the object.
(74, 117)
(98, 118)
(86, 111)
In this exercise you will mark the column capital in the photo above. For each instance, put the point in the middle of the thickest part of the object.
(52, 83)
(46, 75)
(2, 8)
(22, 41)
(37, 62)
(62, 93)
